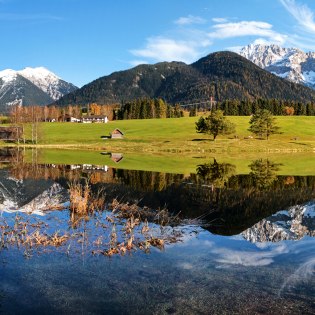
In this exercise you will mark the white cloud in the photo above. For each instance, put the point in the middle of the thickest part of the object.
(167, 49)
(219, 20)
(190, 19)
(188, 43)
(301, 13)
(247, 28)
(261, 41)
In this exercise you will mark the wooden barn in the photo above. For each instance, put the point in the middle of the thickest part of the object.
(117, 134)
(12, 133)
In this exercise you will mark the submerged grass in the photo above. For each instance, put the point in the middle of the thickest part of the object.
(120, 229)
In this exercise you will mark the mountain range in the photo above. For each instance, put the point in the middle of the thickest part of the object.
(289, 63)
(29, 195)
(31, 86)
(222, 75)
(257, 71)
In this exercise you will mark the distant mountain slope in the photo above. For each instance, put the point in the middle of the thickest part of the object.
(31, 86)
(223, 75)
(290, 63)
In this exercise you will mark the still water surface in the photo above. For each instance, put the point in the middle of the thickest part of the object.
(232, 244)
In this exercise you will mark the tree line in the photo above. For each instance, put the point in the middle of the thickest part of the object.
(155, 108)
(148, 108)
(277, 107)
(27, 114)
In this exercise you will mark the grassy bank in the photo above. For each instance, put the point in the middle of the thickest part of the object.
(178, 135)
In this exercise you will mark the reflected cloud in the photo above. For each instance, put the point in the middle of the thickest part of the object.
(185, 266)
(248, 258)
(303, 274)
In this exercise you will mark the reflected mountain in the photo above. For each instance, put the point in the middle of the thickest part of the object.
(229, 204)
(292, 224)
(29, 195)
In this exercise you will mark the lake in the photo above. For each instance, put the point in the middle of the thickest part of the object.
(214, 241)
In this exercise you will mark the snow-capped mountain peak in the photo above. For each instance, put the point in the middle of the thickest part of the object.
(46, 80)
(38, 72)
(289, 63)
(8, 75)
(31, 86)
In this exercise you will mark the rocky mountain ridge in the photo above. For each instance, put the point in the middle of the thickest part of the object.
(292, 64)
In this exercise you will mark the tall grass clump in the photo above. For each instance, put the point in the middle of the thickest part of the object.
(79, 197)
(82, 201)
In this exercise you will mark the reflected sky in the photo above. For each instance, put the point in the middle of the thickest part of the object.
(237, 247)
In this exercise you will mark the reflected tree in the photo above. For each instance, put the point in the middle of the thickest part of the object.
(216, 174)
(263, 173)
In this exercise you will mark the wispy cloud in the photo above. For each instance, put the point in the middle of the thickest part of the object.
(167, 49)
(219, 20)
(28, 17)
(190, 19)
(247, 28)
(302, 13)
(189, 43)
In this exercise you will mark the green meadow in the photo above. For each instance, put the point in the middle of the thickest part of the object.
(172, 145)
(178, 135)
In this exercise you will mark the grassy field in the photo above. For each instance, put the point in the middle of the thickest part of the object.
(178, 135)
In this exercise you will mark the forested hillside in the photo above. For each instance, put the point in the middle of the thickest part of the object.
(223, 75)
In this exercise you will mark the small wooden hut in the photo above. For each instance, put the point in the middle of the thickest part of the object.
(117, 134)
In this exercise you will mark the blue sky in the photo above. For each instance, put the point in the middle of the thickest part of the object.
(81, 40)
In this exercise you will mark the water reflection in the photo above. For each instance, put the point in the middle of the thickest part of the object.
(228, 203)
(217, 174)
(291, 224)
(265, 262)
(264, 173)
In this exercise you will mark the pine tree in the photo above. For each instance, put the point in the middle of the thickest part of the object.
(215, 124)
(263, 124)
